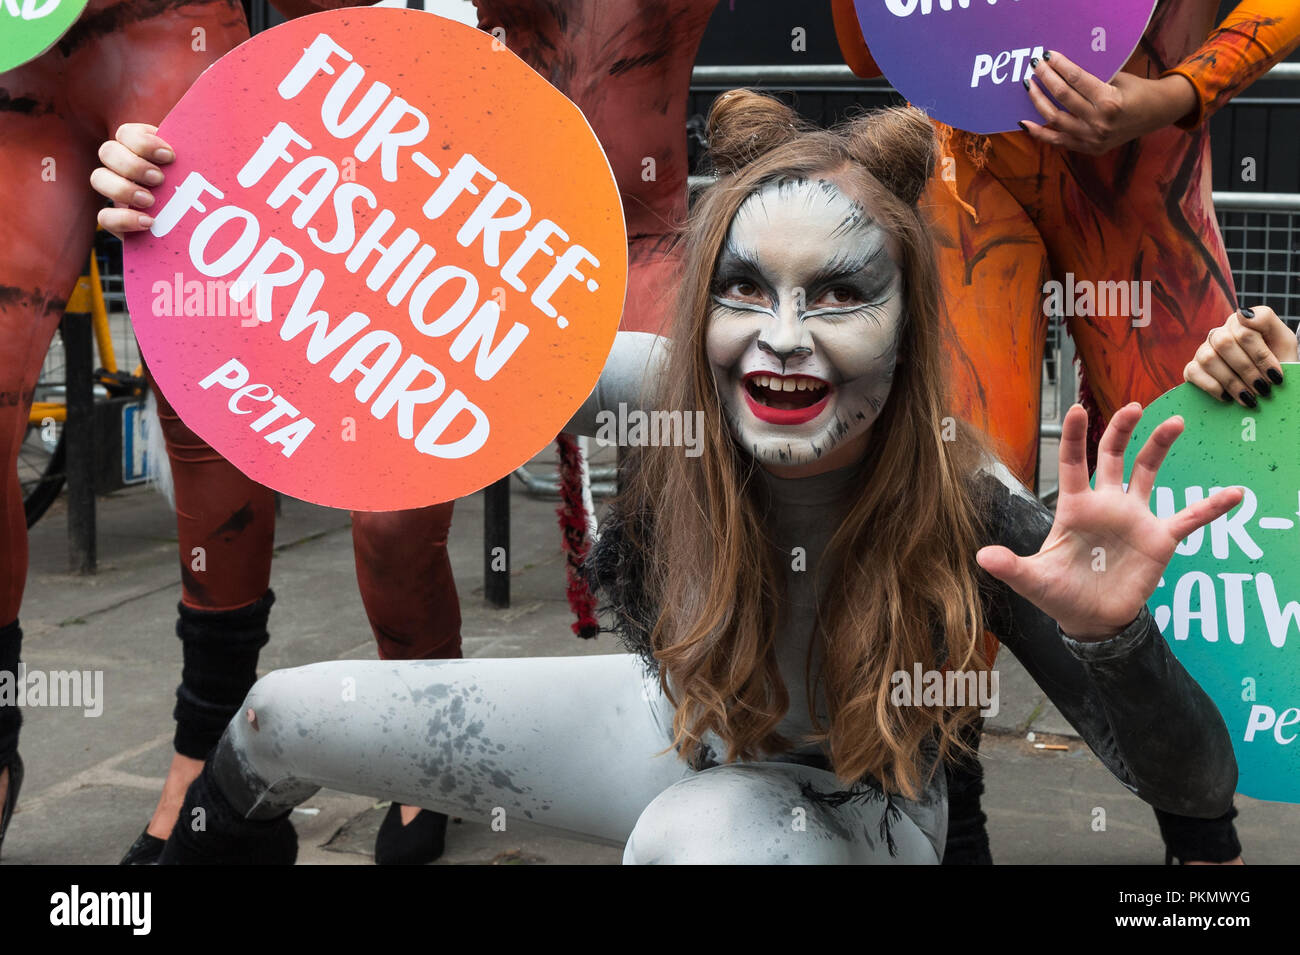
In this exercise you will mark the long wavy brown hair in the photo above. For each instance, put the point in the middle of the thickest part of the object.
(899, 580)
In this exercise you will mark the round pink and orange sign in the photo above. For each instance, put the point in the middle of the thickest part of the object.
(387, 264)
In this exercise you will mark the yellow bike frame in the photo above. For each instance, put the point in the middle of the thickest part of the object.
(86, 298)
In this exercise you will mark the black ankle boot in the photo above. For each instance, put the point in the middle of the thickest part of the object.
(15, 767)
(209, 831)
(417, 843)
(11, 643)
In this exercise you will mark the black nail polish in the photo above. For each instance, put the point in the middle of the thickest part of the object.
(1247, 312)
(1248, 400)
(1225, 396)
(1021, 124)
(1026, 82)
(1275, 375)
(1047, 54)
(1033, 62)
(1262, 388)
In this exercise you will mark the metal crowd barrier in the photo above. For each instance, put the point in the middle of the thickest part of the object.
(807, 75)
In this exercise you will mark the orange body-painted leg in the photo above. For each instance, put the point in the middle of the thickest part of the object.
(1141, 213)
(992, 271)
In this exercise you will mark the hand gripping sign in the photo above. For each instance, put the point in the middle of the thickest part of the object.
(30, 27)
(387, 265)
(976, 81)
(1229, 602)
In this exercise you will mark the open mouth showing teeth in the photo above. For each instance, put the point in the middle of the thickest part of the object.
(786, 393)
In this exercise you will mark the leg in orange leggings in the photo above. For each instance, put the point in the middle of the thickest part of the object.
(1140, 213)
(993, 266)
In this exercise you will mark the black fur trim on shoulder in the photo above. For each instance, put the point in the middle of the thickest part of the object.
(616, 571)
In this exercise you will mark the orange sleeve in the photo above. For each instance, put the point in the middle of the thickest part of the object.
(1250, 40)
(852, 46)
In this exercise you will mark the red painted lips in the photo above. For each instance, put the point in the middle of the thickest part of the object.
(785, 399)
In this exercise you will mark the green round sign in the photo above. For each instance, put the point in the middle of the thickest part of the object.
(30, 27)
(1229, 602)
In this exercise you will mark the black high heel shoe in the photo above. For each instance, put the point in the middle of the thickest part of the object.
(417, 843)
(11, 796)
(144, 851)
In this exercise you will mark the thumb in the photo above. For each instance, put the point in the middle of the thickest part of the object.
(1006, 566)
(1277, 336)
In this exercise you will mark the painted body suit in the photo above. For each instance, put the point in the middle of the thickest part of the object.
(578, 743)
(1022, 213)
(1141, 212)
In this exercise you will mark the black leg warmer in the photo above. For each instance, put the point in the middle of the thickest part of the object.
(221, 649)
(968, 839)
(1199, 840)
(210, 831)
(11, 719)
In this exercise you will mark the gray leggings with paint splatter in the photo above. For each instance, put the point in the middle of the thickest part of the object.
(572, 743)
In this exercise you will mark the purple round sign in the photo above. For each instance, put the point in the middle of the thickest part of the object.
(964, 61)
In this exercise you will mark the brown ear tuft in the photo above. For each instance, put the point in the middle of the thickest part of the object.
(896, 145)
(743, 125)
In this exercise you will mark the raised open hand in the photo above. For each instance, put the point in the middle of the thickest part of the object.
(1106, 550)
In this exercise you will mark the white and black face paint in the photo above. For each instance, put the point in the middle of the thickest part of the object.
(804, 329)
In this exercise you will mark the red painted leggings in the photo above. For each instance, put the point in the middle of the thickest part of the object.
(403, 570)
(119, 63)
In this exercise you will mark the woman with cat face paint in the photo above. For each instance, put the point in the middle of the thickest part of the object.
(757, 718)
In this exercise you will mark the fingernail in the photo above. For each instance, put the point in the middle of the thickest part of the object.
(1247, 312)
(141, 198)
(1248, 400)
(146, 221)
(1047, 54)
(1262, 387)
(1021, 124)
(1225, 396)
(1033, 62)
(153, 177)
(1275, 375)
(1026, 82)
(163, 155)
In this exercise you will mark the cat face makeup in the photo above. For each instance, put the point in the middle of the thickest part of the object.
(803, 333)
